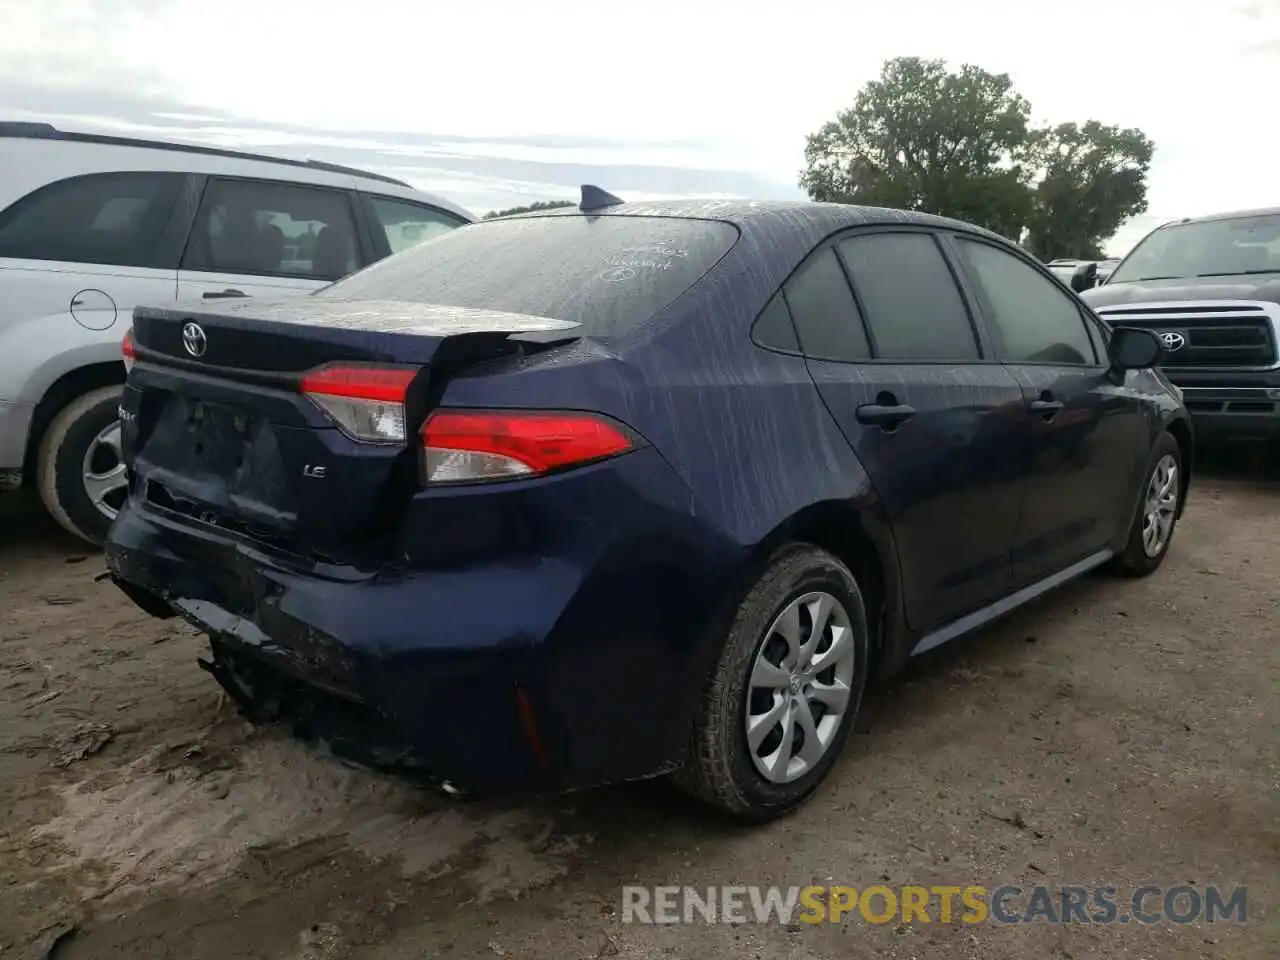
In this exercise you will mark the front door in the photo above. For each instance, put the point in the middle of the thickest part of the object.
(1086, 435)
(267, 238)
(937, 426)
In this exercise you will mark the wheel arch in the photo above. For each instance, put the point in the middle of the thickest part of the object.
(72, 384)
(863, 541)
(1180, 429)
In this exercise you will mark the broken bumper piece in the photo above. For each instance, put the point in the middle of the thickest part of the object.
(391, 694)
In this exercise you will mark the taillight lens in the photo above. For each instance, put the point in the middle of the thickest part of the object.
(464, 445)
(366, 401)
(126, 350)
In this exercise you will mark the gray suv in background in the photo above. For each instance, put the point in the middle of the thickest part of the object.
(92, 225)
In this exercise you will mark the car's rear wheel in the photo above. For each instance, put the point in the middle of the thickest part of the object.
(80, 471)
(785, 691)
(1151, 532)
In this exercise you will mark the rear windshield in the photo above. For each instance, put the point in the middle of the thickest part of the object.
(607, 273)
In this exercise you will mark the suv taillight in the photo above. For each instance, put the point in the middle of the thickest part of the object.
(460, 446)
(366, 401)
(126, 350)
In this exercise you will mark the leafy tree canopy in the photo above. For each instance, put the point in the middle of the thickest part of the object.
(961, 144)
(541, 205)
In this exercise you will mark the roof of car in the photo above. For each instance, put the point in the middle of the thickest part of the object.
(818, 217)
(1231, 215)
(47, 131)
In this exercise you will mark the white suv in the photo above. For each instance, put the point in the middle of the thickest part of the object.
(92, 225)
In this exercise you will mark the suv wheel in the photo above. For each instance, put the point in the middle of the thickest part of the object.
(80, 471)
(1158, 510)
(785, 691)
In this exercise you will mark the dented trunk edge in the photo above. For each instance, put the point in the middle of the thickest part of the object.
(287, 336)
(270, 495)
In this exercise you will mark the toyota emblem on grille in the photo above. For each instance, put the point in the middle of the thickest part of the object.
(1172, 340)
(194, 340)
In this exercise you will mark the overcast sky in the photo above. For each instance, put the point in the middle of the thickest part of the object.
(498, 102)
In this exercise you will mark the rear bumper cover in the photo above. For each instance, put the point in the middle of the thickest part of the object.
(15, 424)
(457, 707)
(567, 671)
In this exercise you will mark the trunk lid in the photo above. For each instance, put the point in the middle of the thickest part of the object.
(218, 428)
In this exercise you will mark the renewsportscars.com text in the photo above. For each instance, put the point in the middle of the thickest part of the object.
(1009, 904)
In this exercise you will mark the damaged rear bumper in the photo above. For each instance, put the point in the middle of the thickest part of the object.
(574, 662)
(392, 693)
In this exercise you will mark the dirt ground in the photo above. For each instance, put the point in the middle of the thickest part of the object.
(1118, 733)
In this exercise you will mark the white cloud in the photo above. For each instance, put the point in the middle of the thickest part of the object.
(748, 78)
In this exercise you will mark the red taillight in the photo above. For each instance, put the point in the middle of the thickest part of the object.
(366, 401)
(462, 445)
(126, 350)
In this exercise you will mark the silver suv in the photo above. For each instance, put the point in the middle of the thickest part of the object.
(92, 225)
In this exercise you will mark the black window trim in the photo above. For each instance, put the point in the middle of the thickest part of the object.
(1099, 333)
(377, 233)
(365, 255)
(781, 296)
(169, 243)
(986, 348)
(993, 329)
(824, 246)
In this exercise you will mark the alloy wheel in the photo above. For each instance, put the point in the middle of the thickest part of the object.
(103, 472)
(1161, 506)
(800, 687)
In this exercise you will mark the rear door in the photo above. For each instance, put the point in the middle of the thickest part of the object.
(934, 419)
(1087, 437)
(269, 238)
(76, 256)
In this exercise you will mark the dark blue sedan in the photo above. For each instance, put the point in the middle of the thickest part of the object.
(633, 489)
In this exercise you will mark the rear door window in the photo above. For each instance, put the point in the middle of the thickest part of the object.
(407, 224)
(608, 273)
(265, 228)
(825, 313)
(912, 303)
(112, 219)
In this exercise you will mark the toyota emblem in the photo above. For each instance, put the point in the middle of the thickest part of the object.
(1172, 340)
(194, 340)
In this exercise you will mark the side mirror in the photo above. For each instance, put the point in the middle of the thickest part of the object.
(1134, 349)
(1084, 277)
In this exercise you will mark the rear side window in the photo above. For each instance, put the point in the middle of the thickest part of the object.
(774, 329)
(825, 313)
(115, 219)
(407, 224)
(912, 303)
(265, 228)
(608, 273)
(1038, 321)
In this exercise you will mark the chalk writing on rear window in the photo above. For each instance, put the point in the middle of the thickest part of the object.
(630, 261)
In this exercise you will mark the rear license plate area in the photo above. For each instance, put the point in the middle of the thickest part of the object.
(216, 436)
(190, 460)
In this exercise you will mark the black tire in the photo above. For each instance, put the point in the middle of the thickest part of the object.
(1133, 560)
(60, 463)
(719, 769)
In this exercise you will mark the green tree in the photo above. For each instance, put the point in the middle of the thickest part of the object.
(1090, 179)
(531, 208)
(961, 144)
